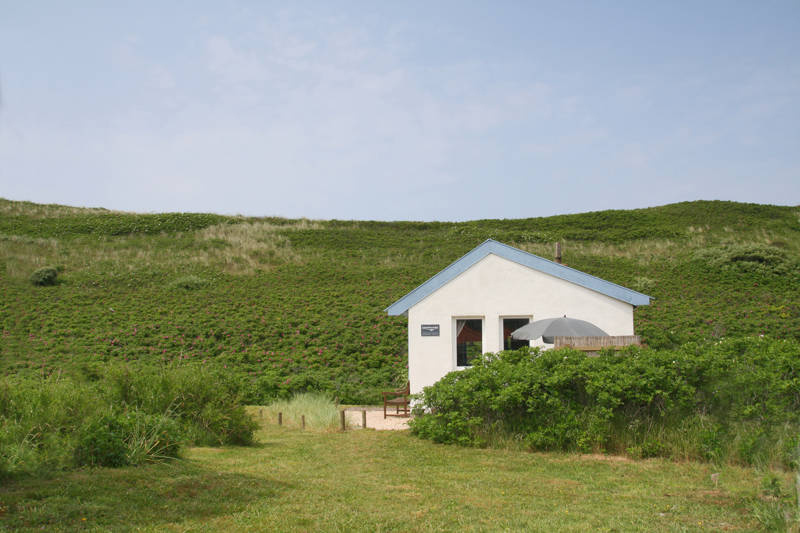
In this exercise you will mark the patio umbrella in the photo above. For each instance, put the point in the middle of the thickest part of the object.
(548, 328)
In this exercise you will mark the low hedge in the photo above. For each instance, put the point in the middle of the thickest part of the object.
(735, 399)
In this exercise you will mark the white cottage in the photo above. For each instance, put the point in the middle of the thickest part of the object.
(473, 305)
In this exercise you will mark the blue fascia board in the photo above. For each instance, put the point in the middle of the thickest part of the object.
(490, 246)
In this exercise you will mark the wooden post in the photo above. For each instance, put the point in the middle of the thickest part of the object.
(342, 419)
(280, 419)
(303, 421)
(364, 418)
(558, 253)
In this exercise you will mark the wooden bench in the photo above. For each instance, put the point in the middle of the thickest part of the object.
(397, 398)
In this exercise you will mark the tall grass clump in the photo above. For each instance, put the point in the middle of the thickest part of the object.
(204, 400)
(39, 420)
(320, 410)
(735, 401)
(130, 417)
(127, 438)
(247, 246)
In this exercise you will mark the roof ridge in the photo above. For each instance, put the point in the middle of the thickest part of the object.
(564, 266)
(527, 259)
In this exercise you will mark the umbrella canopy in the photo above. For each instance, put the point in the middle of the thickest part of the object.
(557, 327)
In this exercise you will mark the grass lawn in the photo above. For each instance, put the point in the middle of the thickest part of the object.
(366, 480)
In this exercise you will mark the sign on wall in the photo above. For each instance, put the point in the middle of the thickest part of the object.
(430, 330)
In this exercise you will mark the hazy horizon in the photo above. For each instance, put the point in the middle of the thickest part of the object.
(224, 213)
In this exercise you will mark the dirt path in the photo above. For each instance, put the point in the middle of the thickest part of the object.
(375, 419)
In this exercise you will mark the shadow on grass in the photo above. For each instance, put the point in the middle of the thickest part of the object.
(129, 498)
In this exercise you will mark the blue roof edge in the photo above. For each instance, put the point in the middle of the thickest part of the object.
(490, 246)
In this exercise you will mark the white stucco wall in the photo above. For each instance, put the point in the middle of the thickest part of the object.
(492, 289)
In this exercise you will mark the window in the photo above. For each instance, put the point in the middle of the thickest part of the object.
(469, 340)
(509, 326)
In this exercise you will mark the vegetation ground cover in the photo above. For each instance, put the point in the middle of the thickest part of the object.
(734, 400)
(292, 305)
(367, 480)
(131, 416)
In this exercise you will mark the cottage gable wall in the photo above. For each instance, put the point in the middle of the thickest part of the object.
(491, 289)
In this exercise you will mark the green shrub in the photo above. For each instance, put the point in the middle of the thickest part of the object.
(736, 400)
(44, 276)
(218, 424)
(102, 442)
(711, 441)
(753, 258)
(648, 448)
(264, 389)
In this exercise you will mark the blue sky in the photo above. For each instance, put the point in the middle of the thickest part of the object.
(399, 110)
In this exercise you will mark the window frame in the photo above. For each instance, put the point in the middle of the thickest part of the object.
(455, 320)
(502, 318)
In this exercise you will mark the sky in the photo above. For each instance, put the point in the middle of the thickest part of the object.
(444, 110)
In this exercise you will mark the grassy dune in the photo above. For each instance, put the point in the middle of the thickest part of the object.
(296, 305)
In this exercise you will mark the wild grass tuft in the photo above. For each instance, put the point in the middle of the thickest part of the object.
(320, 410)
(204, 400)
(249, 246)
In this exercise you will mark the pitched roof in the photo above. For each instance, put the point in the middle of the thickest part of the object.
(535, 262)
